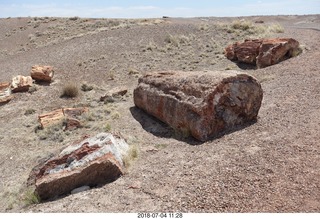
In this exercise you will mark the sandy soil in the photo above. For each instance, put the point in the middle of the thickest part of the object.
(270, 166)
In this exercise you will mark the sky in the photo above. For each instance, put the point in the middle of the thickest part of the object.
(155, 8)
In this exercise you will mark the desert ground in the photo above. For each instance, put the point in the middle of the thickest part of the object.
(270, 166)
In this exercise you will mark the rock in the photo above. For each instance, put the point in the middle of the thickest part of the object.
(114, 93)
(92, 161)
(273, 51)
(21, 83)
(203, 104)
(42, 73)
(262, 52)
(75, 112)
(67, 115)
(72, 123)
(51, 118)
(80, 189)
(5, 93)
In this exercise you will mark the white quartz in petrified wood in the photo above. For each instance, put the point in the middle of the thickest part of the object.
(90, 162)
(204, 104)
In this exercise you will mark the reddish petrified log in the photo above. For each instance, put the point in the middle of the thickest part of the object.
(93, 161)
(262, 52)
(204, 104)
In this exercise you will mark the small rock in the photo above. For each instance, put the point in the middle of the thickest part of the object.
(21, 83)
(5, 93)
(42, 73)
(113, 93)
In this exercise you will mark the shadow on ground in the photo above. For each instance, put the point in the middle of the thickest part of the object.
(160, 129)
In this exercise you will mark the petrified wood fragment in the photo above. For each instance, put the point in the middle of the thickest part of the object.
(92, 161)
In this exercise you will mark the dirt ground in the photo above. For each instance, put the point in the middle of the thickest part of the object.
(270, 166)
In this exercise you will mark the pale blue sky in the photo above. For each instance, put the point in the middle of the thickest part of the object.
(156, 8)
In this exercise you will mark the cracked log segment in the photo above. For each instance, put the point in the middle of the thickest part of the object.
(92, 161)
(70, 115)
(203, 104)
(42, 73)
(263, 52)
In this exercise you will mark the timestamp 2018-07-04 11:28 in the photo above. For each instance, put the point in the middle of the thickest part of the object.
(160, 215)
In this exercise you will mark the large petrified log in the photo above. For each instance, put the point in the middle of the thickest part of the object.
(93, 161)
(205, 104)
(262, 52)
(42, 73)
(5, 93)
(21, 83)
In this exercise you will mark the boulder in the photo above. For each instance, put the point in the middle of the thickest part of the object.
(5, 93)
(262, 52)
(42, 73)
(67, 115)
(90, 162)
(21, 83)
(203, 104)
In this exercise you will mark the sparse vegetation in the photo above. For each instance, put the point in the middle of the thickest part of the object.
(30, 197)
(85, 87)
(244, 27)
(107, 127)
(70, 90)
(29, 112)
(53, 133)
(115, 115)
(161, 146)
(132, 154)
(32, 89)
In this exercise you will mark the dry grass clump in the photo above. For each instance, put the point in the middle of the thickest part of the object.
(246, 27)
(30, 197)
(107, 127)
(54, 132)
(242, 25)
(70, 90)
(29, 112)
(85, 87)
(275, 28)
(132, 154)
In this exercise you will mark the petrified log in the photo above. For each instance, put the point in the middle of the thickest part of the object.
(204, 104)
(93, 161)
(5, 93)
(51, 118)
(262, 52)
(70, 116)
(42, 73)
(21, 83)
